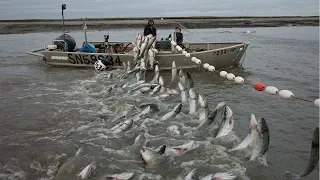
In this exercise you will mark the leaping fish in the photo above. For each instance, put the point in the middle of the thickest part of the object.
(203, 108)
(313, 159)
(139, 38)
(156, 75)
(174, 71)
(149, 155)
(250, 138)
(193, 103)
(122, 176)
(176, 110)
(86, 172)
(162, 84)
(144, 46)
(184, 97)
(261, 144)
(227, 123)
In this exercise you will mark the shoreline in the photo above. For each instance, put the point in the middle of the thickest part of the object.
(52, 25)
(158, 18)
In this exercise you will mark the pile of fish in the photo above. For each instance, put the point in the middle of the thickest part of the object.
(218, 122)
(145, 49)
(209, 125)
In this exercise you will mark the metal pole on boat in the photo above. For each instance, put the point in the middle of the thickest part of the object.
(63, 7)
(173, 38)
(85, 30)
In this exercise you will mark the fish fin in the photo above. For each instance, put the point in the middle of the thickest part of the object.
(161, 149)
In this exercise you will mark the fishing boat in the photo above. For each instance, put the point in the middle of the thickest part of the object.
(62, 51)
(58, 53)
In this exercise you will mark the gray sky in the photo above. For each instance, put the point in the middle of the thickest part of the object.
(34, 9)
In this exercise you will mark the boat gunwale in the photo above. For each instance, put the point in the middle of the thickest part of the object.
(42, 50)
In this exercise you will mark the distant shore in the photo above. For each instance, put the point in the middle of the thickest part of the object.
(51, 25)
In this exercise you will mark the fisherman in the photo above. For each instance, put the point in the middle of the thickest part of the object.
(149, 29)
(179, 36)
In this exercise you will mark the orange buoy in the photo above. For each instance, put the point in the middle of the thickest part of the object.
(258, 86)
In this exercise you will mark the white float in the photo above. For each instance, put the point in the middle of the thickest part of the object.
(198, 61)
(239, 80)
(286, 94)
(211, 68)
(316, 102)
(205, 66)
(272, 90)
(193, 59)
(223, 73)
(230, 76)
(187, 55)
(184, 52)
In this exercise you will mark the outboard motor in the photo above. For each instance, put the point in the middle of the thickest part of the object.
(71, 43)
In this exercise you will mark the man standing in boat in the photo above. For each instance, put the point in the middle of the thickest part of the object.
(179, 36)
(149, 29)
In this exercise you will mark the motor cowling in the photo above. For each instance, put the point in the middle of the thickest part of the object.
(71, 43)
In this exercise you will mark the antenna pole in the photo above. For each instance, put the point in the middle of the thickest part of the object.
(63, 7)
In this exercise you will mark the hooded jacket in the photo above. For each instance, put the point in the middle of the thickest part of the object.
(149, 29)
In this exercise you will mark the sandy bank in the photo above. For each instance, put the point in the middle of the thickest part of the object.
(40, 25)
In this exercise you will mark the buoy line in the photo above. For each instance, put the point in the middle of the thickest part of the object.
(272, 90)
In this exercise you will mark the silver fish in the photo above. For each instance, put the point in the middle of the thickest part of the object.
(250, 138)
(218, 176)
(140, 140)
(109, 90)
(139, 38)
(135, 53)
(182, 77)
(124, 65)
(156, 75)
(189, 81)
(155, 90)
(193, 175)
(129, 66)
(162, 84)
(126, 125)
(86, 172)
(313, 159)
(227, 123)
(122, 176)
(214, 117)
(151, 59)
(151, 41)
(176, 110)
(138, 76)
(142, 115)
(193, 103)
(261, 144)
(174, 71)
(149, 155)
(184, 97)
(149, 85)
(203, 110)
(181, 149)
(144, 46)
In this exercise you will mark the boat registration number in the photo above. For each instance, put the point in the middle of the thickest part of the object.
(91, 59)
(224, 51)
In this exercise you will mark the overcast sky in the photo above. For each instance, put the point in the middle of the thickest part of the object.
(34, 9)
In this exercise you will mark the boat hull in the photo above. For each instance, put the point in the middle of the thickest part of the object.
(223, 56)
